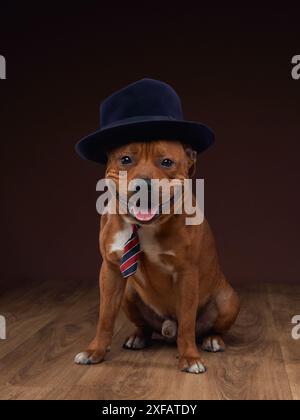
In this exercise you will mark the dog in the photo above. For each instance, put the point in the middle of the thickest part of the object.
(178, 290)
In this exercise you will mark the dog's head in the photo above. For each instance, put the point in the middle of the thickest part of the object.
(141, 163)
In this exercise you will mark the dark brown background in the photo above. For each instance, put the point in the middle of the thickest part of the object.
(232, 68)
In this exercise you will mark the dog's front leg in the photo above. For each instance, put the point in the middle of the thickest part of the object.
(112, 287)
(187, 305)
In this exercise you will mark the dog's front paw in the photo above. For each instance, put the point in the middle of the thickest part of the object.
(89, 357)
(191, 365)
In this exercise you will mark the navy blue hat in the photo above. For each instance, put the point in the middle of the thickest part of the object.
(143, 111)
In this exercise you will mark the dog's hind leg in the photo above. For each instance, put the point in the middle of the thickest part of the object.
(213, 344)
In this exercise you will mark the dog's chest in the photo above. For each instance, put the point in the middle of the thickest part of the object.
(156, 274)
(154, 252)
(150, 246)
(119, 240)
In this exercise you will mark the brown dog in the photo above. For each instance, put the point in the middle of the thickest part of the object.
(178, 289)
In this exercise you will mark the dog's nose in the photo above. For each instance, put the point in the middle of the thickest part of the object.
(148, 182)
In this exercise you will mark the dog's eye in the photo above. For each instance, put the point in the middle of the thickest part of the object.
(126, 160)
(167, 163)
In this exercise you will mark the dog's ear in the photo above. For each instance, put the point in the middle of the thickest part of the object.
(192, 161)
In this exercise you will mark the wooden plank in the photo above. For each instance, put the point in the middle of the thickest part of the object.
(27, 311)
(252, 368)
(285, 304)
(46, 356)
(49, 326)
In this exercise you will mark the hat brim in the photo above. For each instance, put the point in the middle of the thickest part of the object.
(95, 146)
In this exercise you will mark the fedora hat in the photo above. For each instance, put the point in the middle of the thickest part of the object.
(143, 111)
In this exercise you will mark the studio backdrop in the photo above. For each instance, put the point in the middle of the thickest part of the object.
(59, 67)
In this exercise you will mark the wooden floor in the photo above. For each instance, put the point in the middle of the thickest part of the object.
(48, 324)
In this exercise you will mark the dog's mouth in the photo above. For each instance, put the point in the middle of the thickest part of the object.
(143, 215)
(148, 213)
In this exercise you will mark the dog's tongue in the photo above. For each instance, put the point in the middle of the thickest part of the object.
(144, 215)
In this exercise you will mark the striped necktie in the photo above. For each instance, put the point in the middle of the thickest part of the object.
(132, 250)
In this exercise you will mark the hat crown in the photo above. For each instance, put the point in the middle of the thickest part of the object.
(144, 98)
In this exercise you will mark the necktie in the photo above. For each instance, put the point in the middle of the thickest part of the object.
(132, 250)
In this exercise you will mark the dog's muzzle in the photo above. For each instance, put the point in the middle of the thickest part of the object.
(145, 210)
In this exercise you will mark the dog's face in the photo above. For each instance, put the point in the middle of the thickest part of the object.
(157, 160)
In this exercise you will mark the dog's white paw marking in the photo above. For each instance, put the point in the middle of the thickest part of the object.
(82, 358)
(197, 367)
(135, 342)
(213, 344)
